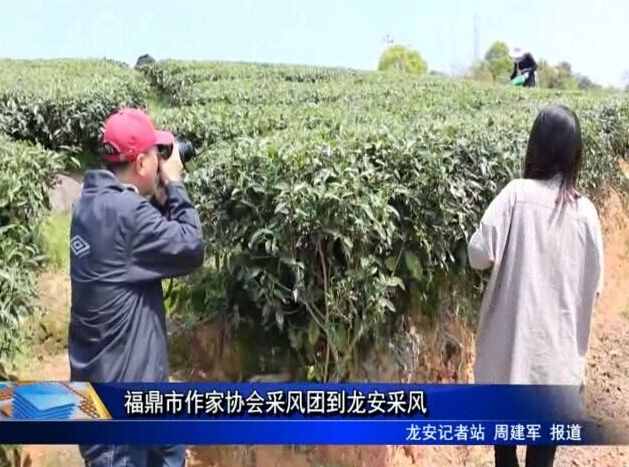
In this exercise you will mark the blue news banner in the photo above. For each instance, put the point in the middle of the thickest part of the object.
(222, 413)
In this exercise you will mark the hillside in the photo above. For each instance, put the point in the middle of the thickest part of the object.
(336, 205)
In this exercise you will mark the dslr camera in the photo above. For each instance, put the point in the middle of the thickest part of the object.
(187, 152)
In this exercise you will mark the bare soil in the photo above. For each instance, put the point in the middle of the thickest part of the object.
(607, 380)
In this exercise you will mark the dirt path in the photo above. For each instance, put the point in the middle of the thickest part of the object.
(607, 380)
(608, 359)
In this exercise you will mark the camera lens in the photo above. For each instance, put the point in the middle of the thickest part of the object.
(186, 150)
(164, 151)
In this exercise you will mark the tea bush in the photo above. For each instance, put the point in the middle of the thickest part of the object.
(61, 104)
(334, 202)
(333, 214)
(26, 172)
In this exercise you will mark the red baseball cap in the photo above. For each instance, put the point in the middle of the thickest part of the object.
(131, 132)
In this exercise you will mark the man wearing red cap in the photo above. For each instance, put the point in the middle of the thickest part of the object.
(122, 247)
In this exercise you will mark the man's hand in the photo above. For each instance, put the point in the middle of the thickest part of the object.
(170, 169)
(160, 195)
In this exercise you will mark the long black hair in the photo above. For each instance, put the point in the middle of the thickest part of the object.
(555, 147)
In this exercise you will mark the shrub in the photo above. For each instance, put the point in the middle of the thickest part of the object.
(333, 234)
(61, 104)
(335, 203)
(26, 173)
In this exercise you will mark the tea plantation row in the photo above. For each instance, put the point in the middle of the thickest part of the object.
(334, 202)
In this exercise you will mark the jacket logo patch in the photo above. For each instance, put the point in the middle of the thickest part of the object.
(79, 246)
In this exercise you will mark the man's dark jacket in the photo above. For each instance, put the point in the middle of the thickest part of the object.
(122, 246)
(529, 64)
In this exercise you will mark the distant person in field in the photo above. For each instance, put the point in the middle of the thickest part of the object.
(122, 246)
(524, 64)
(542, 241)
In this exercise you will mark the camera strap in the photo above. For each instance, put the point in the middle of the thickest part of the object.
(170, 281)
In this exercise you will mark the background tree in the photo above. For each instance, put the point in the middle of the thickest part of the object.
(481, 71)
(499, 65)
(584, 83)
(498, 61)
(496, 66)
(561, 76)
(546, 74)
(564, 77)
(143, 60)
(625, 81)
(400, 58)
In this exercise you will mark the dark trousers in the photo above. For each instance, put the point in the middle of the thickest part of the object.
(536, 456)
(531, 82)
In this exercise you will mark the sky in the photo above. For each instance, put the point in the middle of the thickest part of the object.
(346, 33)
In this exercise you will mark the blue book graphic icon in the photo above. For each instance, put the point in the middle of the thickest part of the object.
(43, 401)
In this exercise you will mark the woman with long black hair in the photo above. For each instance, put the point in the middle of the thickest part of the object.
(542, 240)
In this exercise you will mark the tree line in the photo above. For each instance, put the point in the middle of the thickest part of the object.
(494, 67)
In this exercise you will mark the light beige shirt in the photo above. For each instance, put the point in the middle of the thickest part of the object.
(547, 270)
